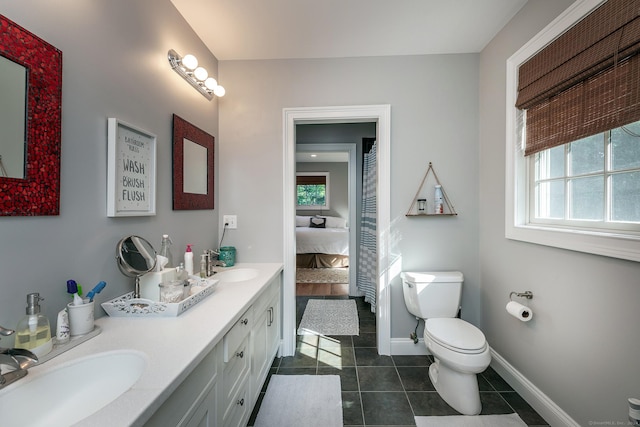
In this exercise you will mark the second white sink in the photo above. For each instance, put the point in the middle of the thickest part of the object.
(237, 274)
(71, 392)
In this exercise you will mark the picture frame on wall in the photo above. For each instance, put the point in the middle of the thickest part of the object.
(131, 170)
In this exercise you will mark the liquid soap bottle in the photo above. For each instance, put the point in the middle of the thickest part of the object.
(34, 332)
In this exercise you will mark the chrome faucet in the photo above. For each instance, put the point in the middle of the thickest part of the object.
(211, 258)
(17, 358)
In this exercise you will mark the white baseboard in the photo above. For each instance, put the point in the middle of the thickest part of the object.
(406, 347)
(551, 412)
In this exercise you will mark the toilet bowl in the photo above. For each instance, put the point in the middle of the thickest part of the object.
(460, 350)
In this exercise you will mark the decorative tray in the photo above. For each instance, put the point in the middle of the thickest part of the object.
(128, 306)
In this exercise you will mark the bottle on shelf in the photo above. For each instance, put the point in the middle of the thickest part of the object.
(188, 260)
(437, 200)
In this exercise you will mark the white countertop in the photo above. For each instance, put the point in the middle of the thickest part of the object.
(173, 345)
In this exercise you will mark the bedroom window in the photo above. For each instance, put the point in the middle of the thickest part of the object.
(312, 190)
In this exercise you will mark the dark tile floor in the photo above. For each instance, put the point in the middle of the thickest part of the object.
(386, 390)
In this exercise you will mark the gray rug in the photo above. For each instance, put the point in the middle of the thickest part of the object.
(330, 317)
(301, 400)
(509, 420)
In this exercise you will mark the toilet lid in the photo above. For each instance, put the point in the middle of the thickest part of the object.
(456, 334)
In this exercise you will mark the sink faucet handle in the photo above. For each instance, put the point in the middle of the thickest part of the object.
(6, 332)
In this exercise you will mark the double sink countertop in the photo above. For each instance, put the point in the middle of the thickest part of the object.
(173, 346)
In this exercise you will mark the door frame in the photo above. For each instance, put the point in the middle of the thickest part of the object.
(381, 115)
(350, 149)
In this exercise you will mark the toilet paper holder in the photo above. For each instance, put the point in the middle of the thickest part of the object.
(526, 294)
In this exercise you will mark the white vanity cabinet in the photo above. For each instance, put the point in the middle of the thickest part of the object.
(195, 402)
(223, 389)
(265, 334)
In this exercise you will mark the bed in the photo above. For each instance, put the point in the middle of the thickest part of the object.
(321, 242)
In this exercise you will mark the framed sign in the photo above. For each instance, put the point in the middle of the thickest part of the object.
(131, 170)
(192, 166)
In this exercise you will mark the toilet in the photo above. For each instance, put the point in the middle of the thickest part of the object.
(460, 349)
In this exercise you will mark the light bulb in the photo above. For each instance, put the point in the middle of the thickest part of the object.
(210, 83)
(219, 91)
(190, 62)
(200, 73)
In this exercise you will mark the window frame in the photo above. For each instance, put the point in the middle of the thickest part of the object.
(326, 205)
(518, 226)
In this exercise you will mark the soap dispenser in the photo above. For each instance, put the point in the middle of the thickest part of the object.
(34, 332)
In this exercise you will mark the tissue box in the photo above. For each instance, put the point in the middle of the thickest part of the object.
(149, 283)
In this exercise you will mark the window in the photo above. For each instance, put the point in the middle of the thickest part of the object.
(592, 183)
(575, 184)
(312, 190)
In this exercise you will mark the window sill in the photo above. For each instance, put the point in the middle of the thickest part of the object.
(597, 243)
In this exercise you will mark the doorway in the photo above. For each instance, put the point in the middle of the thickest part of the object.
(380, 114)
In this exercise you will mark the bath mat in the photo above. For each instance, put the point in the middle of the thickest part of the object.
(330, 317)
(301, 400)
(322, 275)
(509, 420)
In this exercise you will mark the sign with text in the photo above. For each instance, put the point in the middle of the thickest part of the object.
(131, 170)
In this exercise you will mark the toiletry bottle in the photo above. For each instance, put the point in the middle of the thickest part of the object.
(165, 250)
(34, 332)
(437, 200)
(203, 265)
(188, 260)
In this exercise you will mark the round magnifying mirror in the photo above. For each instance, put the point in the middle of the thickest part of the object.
(135, 257)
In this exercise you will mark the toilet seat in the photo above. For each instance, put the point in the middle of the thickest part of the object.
(456, 335)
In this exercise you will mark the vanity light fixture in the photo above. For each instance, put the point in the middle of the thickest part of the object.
(198, 77)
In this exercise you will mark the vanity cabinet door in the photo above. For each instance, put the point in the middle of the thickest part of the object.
(195, 401)
(265, 335)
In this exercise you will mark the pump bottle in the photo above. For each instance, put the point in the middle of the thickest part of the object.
(34, 332)
(188, 260)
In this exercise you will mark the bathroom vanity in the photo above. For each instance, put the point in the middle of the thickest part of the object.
(203, 368)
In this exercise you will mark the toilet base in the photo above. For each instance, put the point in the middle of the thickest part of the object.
(458, 389)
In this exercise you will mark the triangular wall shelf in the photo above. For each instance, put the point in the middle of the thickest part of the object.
(429, 208)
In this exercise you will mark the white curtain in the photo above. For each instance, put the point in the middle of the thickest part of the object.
(367, 259)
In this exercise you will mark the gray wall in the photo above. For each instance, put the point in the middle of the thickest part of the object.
(434, 117)
(581, 348)
(338, 187)
(114, 65)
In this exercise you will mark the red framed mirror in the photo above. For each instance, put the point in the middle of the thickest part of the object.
(192, 166)
(37, 191)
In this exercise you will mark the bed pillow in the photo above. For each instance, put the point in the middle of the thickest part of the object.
(302, 221)
(335, 222)
(315, 222)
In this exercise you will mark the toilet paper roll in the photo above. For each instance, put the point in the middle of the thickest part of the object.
(519, 311)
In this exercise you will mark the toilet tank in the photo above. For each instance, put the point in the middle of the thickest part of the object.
(432, 294)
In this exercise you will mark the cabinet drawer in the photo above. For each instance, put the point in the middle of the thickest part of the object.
(238, 332)
(238, 411)
(263, 301)
(236, 370)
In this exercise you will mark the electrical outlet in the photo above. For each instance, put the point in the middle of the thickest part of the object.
(232, 220)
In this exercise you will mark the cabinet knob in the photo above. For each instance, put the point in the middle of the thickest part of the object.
(240, 402)
(240, 354)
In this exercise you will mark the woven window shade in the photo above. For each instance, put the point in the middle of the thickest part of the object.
(586, 81)
(311, 180)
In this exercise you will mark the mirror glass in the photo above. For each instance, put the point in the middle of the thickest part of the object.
(13, 87)
(135, 256)
(194, 168)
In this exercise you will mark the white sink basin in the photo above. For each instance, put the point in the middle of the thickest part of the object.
(72, 391)
(237, 274)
